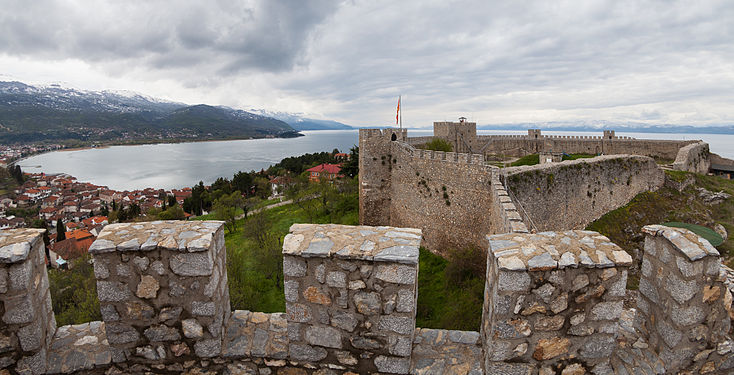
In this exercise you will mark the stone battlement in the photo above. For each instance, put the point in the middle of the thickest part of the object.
(449, 157)
(553, 303)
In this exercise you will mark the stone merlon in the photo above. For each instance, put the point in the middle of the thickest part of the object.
(689, 243)
(380, 244)
(191, 236)
(16, 244)
(556, 250)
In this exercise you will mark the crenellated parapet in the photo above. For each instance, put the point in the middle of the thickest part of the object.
(554, 303)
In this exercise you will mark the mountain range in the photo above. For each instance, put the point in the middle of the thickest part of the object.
(298, 122)
(54, 113)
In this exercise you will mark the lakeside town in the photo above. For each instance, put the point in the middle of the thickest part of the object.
(82, 209)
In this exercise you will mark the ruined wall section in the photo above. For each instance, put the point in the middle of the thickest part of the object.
(572, 194)
(693, 158)
(448, 195)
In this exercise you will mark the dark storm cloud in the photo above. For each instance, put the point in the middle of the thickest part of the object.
(266, 35)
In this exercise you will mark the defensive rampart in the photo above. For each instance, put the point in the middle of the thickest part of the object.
(448, 195)
(571, 194)
(553, 304)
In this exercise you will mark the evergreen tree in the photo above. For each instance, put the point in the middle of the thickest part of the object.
(60, 230)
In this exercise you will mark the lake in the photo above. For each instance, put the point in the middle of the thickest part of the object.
(177, 165)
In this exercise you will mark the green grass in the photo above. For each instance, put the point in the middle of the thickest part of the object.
(677, 176)
(526, 160)
(250, 287)
(623, 225)
(577, 156)
(443, 302)
(707, 233)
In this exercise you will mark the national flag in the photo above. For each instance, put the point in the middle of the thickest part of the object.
(398, 112)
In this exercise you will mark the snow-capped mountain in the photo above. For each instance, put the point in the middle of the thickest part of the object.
(52, 112)
(299, 122)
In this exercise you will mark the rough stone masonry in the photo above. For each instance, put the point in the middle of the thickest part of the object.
(28, 322)
(553, 298)
(351, 295)
(162, 289)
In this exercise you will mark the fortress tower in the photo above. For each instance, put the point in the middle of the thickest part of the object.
(460, 134)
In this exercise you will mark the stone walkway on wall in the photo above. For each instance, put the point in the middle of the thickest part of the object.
(264, 339)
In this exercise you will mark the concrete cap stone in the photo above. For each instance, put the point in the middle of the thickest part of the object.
(380, 244)
(15, 244)
(556, 250)
(690, 244)
(191, 236)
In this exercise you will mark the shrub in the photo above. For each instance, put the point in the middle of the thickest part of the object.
(438, 144)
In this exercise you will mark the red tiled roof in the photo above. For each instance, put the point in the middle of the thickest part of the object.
(328, 168)
(72, 248)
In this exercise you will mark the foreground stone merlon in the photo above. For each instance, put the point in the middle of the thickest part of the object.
(150, 277)
(188, 236)
(551, 297)
(556, 250)
(27, 321)
(684, 309)
(351, 296)
(386, 244)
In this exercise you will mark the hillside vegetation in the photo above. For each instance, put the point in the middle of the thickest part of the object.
(686, 198)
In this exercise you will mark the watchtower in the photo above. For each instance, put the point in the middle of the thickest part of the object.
(460, 134)
(609, 135)
(534, 133)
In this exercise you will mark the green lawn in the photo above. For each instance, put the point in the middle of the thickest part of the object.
(707, 233)
(526, 160)
(577, 156)
(448, 297)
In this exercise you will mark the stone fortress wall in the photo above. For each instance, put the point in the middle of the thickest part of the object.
(431, 190)
(463, 137)
(572, 194)
(553, 304)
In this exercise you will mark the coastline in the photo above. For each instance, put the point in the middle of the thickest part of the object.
(145, 142)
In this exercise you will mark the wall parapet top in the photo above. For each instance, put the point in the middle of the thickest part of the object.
(379, 244)
(16, 244)
(185, 236)
(687, 242)
(556, 250)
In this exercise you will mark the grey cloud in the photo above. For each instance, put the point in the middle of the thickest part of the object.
(264, 35)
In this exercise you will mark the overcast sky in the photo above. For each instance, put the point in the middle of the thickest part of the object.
(493, 62)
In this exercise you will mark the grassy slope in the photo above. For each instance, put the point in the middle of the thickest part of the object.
(668, 204)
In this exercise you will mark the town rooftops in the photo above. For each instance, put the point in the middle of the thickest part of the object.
(328, 168)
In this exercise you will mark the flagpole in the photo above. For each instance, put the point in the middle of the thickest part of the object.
(400, 97)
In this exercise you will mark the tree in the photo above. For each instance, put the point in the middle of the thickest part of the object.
(351, 167)
(439, 144)
(243, 182)
(60, 230)
(225, 208)
(249, 204)
(171, 201)
(172, 213)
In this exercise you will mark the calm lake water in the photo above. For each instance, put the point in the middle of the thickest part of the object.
(185, 164)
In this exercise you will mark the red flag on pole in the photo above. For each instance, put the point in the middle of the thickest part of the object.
(398, 112)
